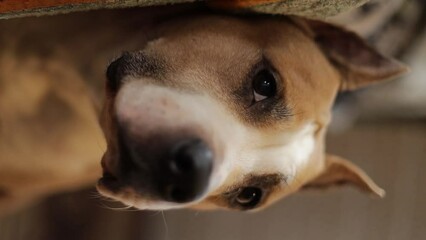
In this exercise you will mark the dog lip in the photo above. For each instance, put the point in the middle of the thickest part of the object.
(108, 175)
(110, 182)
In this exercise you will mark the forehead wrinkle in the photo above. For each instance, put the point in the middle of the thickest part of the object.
(264, 181)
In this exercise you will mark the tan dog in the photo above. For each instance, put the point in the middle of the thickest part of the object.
(231, 112)
(208, 110)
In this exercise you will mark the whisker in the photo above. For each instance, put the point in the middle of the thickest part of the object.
(122, 209)
(155, 213)
(102, 198)
(294, 178)
(166, 227)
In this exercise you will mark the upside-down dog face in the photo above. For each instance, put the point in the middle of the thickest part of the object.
(231, 112)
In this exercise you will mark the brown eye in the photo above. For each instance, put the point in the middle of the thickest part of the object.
(249, 197)
(264, 85)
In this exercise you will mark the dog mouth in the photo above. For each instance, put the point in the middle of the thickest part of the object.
(109, 182)
(111, 187)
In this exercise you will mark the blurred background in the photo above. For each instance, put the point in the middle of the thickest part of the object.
(382, 129)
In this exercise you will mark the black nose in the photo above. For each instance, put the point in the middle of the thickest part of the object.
(187, 171)
(172, 166)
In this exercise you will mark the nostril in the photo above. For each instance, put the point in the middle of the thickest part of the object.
(190, 157)
(177, 194)
(190, 166)
(183, 161)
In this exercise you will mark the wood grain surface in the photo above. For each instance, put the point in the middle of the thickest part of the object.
(309, 8)
(19, 5)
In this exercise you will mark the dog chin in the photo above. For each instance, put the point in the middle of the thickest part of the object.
(129, 198)
(142, 204)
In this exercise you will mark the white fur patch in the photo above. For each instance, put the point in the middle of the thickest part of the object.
(285, 153)
(290, 152)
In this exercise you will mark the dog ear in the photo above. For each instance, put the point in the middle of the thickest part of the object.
(358, 63)
(339, 171)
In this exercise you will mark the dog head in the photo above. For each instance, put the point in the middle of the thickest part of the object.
(231, 112)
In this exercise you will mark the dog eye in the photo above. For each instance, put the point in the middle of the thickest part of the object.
(264, 85)
(249, 197)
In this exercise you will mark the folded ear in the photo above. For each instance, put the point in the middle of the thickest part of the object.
(358, 63)
(339, 171)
